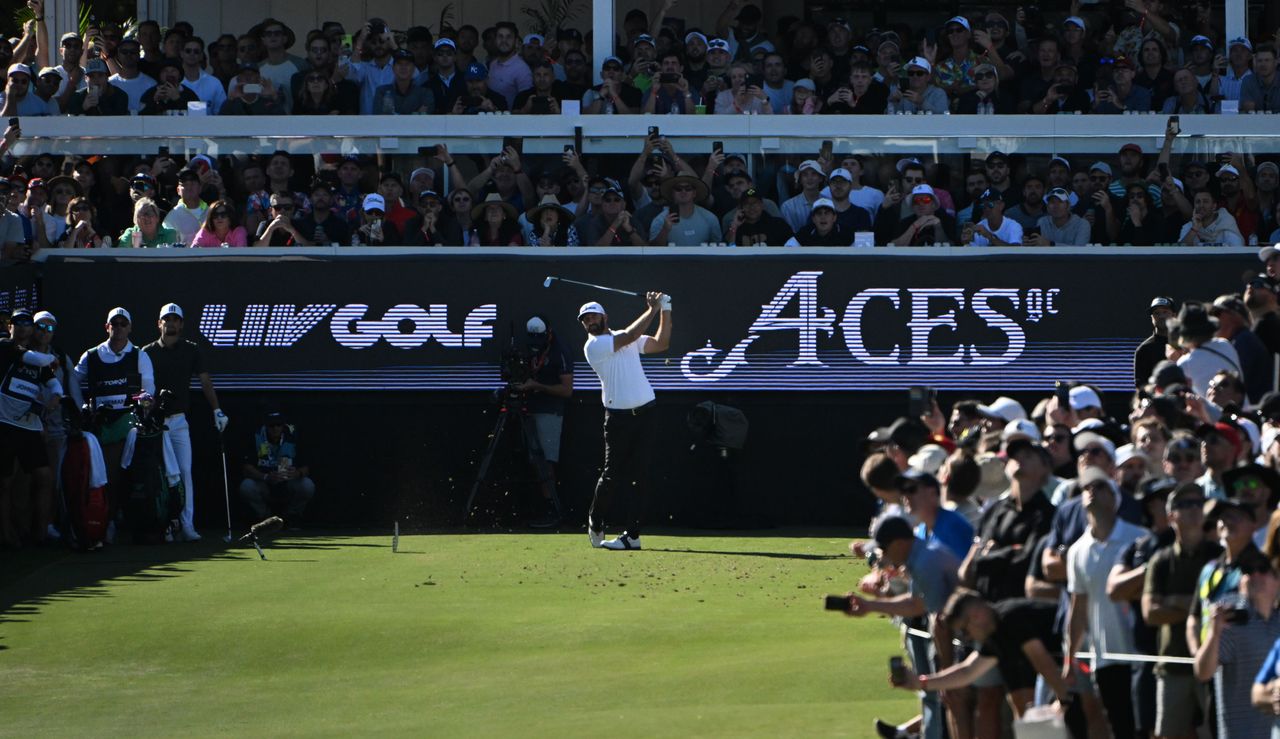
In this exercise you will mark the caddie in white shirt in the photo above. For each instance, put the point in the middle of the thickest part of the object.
(628, 415)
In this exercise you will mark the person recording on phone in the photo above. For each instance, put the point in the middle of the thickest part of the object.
(99, 97)
(933, 569)
(671, 93)
(629, 423)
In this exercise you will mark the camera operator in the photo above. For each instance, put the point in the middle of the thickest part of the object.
(273, 475)
(26, 371)
(548, 387)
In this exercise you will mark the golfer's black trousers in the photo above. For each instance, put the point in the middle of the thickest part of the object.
(622, 491)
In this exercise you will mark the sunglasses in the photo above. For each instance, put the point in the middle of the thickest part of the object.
(375, 212)
(45, 327)
(120, 324)
(921, 200)
(221, 214)
(1251, 483)
(984, 76)
(1186, 504)
(1060, 438)
(23, 322)
(1091, 451)
(1182, 458)
(917, 73)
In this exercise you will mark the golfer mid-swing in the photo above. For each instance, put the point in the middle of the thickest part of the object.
(628, 415)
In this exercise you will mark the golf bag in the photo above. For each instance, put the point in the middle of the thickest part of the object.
(154, 504)
(155, 492)
(86, 503)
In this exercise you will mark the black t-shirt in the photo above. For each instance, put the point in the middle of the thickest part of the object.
(774, 230)
(1145, 358)
(809, 236)
(547, 367)
(335, 230)
(1137, 554)
(174, 367)
(280, 237)
(1268, 329)
(1018, 621)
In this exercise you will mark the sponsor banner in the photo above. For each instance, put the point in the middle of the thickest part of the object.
(794, 321)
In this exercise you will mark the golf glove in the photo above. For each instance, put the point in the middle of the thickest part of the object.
(666, 302)
(220, 420)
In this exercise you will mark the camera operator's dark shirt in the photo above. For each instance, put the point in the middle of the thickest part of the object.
(547, 368)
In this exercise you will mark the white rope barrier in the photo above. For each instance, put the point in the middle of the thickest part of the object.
(1113, 656)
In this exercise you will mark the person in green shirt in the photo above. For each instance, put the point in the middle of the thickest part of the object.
(146, 230)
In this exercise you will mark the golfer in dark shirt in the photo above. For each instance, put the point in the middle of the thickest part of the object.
(175, 361)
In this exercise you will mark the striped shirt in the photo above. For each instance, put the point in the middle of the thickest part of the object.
(1241, 651)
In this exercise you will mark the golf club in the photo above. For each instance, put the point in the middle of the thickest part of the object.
(226, 487)
(550, 279)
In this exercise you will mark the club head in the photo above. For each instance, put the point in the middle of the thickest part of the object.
(547, 282)
(227, 538)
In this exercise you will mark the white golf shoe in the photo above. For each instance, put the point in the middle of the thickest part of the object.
(623, 542)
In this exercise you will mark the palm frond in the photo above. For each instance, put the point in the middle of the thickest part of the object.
(549, 15)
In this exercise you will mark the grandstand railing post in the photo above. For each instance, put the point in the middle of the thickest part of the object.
(1237, 18)
(602, 26)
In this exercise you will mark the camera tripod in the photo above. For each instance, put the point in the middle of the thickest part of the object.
(507, 399)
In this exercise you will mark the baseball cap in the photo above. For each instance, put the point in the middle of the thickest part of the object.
(1075, 20)
(374, 201)
(1202, 41)
(1092, 475)
(1221, 428)
(96, 66)
(1161, 301)
(960, 20)
(750, 194)
(171, 309)
(1227, 169)
(611, 60)
(429, 195)
(19, 68)
(119, 312)
(717, 44)
(592, 307)
(534, 37)
(1267, 252)
(422, 170)
(445, 42)
(643, 38)
(807, 84)
(810, 164)
(1131, 147)
(695, 35)
(45, 315)
(476, 72)
(1020, 428)
(920, 63)
(1086, 438)
(1229, 302)
(891, 529)
(401, 55)
(914, 475)
(1240, 41)
(68, 36)
(840, 172)
(1003, 407)
(822, 203)
(904, 162)
(536, 325)
(923, 189)
(1126, 452)
(1059, 193)
(44, 71)
(1083, 397)
(1101, 167)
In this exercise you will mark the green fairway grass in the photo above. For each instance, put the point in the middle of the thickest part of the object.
(456, 635)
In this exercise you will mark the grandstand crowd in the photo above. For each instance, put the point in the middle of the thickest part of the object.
(1119, 568)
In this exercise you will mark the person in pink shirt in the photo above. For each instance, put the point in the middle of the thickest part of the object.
(221, 227)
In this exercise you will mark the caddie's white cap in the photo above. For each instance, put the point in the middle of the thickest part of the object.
(171, 309)
(45, 315)
(119, 312)
(536, 326)
(592, 307)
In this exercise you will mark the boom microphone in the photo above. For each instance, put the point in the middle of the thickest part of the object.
(265, 526)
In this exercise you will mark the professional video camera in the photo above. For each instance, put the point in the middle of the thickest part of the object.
(515, 367)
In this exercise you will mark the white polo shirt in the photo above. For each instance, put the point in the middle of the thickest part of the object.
(1089, 561)
(623, 385)
(1010, 232)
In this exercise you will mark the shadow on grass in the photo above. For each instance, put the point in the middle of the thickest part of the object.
(770, 555)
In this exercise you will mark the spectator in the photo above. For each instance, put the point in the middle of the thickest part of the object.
(1060, 226)
(1142, 223)
(508, 72)
(851, 217)
(479, 98)
(402, 96)
(276, 480)
(1064, 94)
(716, 81)
(445, 81)
(146, 230)
(221, 227)
(1035, 81)
(1240, 65)
(920, 95)
(985, 98)
(1107, 622)
(70, 73)
(1240, 633)
(323, 225)
(169, 94)
(550, 224)
(222, 60)
(98, 98)
(928, 224)
(644, 64)
(203, 85)
(391, 188)
(189, 214)
(280, 230)
(277, 39)
(1116, 92)
(1028, 211)
(994, 229)
(1153, 71)
(922, 494)
(377, 71)
(776, 85)
(743, 95)
(251, 94)
(542, 98)
(460, 207)
(1187, 99)
(432, 226)
(319, 89)
(128, 77)
(374, 228)
(318, 94)
(862, 95)
(20, 100)
(999, 179)
(80, 232)
(495, 223)
(804, 99)
(823, 228)
(750, 225)
(1255, 359)
(933, 579)
(975, 183)
(671, 94)
(577, 75)
(1152, 350)
(1260, 91)
(684, 222)
(811, 177)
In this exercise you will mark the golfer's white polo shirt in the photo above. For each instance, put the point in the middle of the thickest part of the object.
(623, 385)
